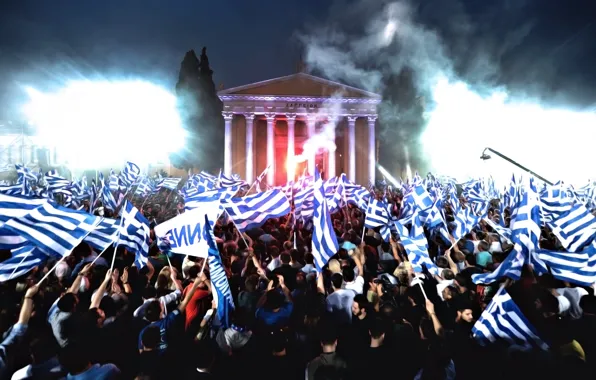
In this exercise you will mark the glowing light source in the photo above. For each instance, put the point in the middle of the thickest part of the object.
(99, 124)
(548, 141)
(389, 31)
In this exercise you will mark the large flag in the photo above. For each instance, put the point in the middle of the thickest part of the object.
(184, 233)
(324, 241)
(502, 320)
(14, 207)
(56, 230)
(254, 210)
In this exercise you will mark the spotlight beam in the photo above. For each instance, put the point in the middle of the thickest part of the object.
(486, 156)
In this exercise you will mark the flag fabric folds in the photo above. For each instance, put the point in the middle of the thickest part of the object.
(502, 320)
(55, 230)
(324, 241)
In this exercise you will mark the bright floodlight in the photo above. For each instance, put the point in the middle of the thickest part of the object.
(99, 124)
(556, 143)
(389, 31)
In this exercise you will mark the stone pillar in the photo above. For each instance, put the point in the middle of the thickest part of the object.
(352, 148)
(290, 162)
(311, 121)
(270, 148)
(228, 116)
(371, 148)
(249, 118)
(332, 120)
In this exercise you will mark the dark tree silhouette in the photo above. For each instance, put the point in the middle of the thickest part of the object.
(200, 110)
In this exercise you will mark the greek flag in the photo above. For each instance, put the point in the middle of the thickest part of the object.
(145, 187)
(130, 174)
(416, 245)
(575, 229)
(14, 207)
(23, 260)
(134, 233)
(579, 268)
(222, 195)
(525, 232)
(54, 229)
(104, 234)
(502, 320)
(254, 210)
(109, 202)
(324, 241)
(230, 181)
(55, 181)
(169, 183)
(219, 279)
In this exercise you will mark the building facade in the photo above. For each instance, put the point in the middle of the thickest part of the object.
(267, 124)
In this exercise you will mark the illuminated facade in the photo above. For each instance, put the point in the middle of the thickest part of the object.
(268, 122)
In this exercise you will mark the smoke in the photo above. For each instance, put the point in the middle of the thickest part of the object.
(432, 57)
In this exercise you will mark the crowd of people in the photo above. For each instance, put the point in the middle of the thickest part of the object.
(366, 315)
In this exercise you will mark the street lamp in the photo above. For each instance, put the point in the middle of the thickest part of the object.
(485, 156)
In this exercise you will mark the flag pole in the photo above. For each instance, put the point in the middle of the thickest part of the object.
(18, 265)
(240, 232)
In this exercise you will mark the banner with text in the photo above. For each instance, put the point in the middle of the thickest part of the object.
(184, 233)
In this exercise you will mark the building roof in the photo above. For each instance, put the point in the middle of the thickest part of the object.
(299, 84)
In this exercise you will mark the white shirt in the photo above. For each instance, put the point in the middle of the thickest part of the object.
(274, 264)
(357, 285)
(573, 295)
(339, 304)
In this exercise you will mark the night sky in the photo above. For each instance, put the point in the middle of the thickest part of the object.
(43, 43)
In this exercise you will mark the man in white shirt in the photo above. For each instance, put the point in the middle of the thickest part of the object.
(351, 281)
(339, 303)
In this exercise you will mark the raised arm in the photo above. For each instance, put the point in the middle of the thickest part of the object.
(97, 297)
(76, 284)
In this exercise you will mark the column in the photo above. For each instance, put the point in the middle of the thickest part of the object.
(331, 154)
(249, 118)
(290, 163)
(371, 148)
(270, 148)
(352, 148)
(32, 154)
(228, 116)
(311, 121)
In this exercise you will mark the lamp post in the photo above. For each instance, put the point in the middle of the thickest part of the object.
(486, 156)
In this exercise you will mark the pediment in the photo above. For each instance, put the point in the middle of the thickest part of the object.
(300, 84)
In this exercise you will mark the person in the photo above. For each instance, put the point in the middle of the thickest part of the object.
(165, 325)
(275, 308)
(329, 357)
(15, 336)
(339, 303)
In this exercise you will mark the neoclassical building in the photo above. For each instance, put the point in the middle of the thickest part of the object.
(268, 122)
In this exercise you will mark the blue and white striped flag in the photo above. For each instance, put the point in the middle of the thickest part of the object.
(23, 260)
(324, 241)
(222, 195)
(168, 183)
(254, 210)
(55, 230)
(104, 235)
(134, 233)
(129, 174)
(14, 206)
(502, 320)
